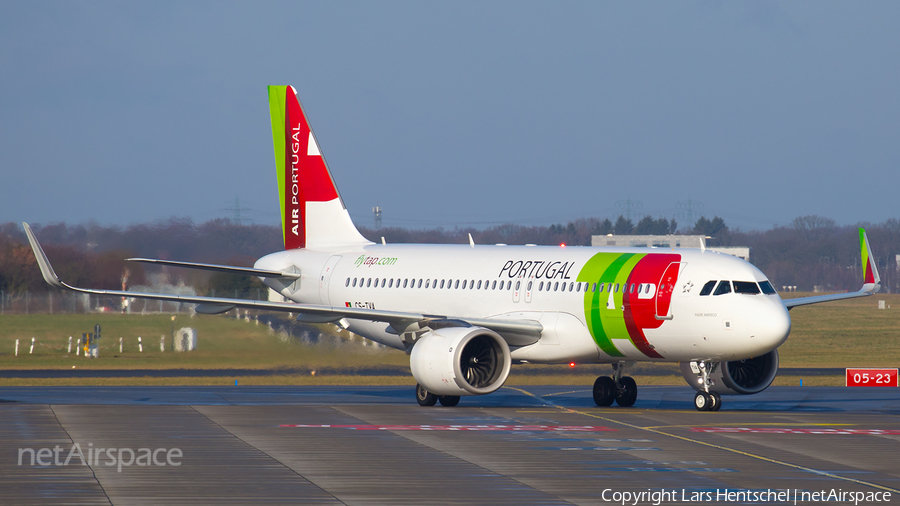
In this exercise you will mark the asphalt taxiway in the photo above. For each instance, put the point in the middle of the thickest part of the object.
(375, 445)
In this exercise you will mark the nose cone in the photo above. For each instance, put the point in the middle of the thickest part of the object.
(773, 324)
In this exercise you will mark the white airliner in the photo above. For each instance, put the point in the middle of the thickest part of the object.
(466, 313)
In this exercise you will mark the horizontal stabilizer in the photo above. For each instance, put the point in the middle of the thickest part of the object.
(249, 271)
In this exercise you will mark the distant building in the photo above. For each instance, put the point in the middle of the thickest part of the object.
(666, 241)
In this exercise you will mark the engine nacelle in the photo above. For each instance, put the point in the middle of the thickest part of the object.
(738, 377)
(460, 361)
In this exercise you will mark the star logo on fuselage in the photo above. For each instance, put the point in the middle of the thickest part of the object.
(687, 287)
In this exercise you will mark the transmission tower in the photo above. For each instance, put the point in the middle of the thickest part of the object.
(236, 211)
(377, 212)
(689, 210)
(630, 207)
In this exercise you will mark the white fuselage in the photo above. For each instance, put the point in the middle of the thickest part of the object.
(574, 292)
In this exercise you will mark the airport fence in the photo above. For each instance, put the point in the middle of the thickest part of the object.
(52, 302)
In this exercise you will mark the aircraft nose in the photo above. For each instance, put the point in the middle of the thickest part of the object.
(774, 324)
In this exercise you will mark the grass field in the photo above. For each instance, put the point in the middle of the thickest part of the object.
(852, 333)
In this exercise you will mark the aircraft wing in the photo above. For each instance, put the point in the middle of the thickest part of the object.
(515, 332)
(871, 279)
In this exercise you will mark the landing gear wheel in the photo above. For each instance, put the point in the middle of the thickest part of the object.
(626, 394)
(449, 400)
(702, 401)
(604, 391)
(716, 401)
(424, 397)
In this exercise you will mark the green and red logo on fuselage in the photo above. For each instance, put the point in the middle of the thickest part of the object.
(622, 306)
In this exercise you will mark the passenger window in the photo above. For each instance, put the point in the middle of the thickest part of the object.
(617, 288)
(383, 281)
(456, 284)
(748, 287)
(368, 282)
(529, 286)
(420, 284)
(708, 287)
(518, 285)
(494, 285)
(464, 284)
(767, 288)
(723, 288)
(578, 287)
(541, 287)
(556, 286)
(376, 282)
(348, 282)
(571, 286)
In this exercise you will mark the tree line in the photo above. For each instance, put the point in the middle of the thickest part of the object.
(812, 251)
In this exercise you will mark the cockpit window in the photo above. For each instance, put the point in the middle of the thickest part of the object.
(748, 287)
(707, 288)
(767, 288)
(723, 288)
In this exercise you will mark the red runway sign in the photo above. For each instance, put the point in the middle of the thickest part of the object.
(871, 377)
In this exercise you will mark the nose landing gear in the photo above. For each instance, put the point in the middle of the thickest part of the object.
(706, 400)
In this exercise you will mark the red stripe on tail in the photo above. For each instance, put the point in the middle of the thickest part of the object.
(306, 176)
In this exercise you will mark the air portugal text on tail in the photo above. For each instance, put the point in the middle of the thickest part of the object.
(312, 212)
(465, 313)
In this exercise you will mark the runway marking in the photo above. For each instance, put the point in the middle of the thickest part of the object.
(602, 448)
(711, 445)
(788, 430)
(755, 423)
(475, 428)
(562, 393)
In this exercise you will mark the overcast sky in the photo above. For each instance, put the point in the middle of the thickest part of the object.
(454, 113)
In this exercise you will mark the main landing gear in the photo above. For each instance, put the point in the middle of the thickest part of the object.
(706, 400)
(426, 398)
(619, 388)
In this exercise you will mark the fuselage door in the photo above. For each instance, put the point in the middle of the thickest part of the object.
(664, 290)
(325, 277)
(529, 287)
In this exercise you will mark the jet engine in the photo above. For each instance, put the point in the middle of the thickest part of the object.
(738, 377)
(460, 361)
